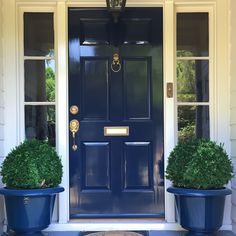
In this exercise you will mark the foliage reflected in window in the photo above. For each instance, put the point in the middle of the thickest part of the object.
(39, 76)
(50, 84)
(192, 74)
(186, 81)
(193, 121)
(186, 123)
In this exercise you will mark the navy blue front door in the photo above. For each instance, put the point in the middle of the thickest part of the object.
(116, 80)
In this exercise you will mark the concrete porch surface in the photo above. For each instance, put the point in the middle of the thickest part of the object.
(144, 233)
(147, 233)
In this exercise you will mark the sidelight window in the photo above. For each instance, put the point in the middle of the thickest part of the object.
(192, 75)
(39, 76)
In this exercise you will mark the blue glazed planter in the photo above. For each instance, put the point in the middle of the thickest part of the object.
(200, 211)
(31, 210)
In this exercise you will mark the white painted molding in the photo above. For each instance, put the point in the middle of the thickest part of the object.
(11, 131)
(222, 86)
(119, 225)
(113, 225)
(170, 124)
(62, 109)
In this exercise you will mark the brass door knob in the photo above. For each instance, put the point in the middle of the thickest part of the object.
(74, 128)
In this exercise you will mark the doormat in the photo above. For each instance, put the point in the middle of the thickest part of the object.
(115, 233)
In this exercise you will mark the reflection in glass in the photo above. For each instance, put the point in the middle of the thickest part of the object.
(40, 123)
(192, 80)
(39, 80)
(193, 121)
(38, 34)
(192, 34)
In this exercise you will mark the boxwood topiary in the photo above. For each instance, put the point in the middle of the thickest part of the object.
(32, 164)
(199, 164)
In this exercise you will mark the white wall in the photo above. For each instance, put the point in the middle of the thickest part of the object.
(1, 110)
(232, 50)
(1, 87)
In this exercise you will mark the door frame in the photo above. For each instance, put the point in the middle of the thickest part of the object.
(12, 67)
(61, 19)
(168, 52)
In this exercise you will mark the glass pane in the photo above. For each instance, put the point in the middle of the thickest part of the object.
(38, 34)
(193, 121)
(39, 80)
(192, 80)
(192, 34)
(40, 123)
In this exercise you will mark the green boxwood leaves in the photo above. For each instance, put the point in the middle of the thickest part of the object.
(199, 164)
(32, 164)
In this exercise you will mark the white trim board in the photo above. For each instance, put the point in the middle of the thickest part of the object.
(116, 225)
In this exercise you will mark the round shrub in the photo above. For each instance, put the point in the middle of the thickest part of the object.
(32, 164)
(199, 164)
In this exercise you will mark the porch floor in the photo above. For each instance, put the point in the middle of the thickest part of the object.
(145, 233)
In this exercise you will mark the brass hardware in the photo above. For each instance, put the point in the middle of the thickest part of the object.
(116, 66)
(169, 90)
(74, 127)
(116, 58)
(116, 131)
(74, 110)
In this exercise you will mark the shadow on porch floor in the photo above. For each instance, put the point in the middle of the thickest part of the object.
(144, 233)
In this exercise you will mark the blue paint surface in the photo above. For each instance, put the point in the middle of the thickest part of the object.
(200, 210)
(116, 176)
(29, 210)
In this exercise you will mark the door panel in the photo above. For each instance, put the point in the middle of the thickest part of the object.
(116, 176)
(137, 167)
(94, 81)
(137, 88)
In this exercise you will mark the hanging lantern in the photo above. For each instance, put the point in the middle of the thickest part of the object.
(115, 7)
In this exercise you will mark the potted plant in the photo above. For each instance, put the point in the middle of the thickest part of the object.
(199, 170)
(31, 172)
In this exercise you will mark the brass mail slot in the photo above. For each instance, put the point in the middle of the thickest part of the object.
(116, 131)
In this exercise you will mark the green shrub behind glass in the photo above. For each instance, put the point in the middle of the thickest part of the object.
(32, 164)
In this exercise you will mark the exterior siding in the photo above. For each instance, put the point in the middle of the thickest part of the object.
(1, 112)
(1, 88)
(232, 51)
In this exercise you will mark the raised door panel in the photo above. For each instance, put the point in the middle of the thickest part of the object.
(137, 88)
(95, 88)
(96, 171)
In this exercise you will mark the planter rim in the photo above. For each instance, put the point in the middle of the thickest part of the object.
(30, 192)
(199, 192)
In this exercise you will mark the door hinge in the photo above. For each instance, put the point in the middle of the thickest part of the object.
(169, 90)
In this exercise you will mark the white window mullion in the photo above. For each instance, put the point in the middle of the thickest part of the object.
(192, 58)
(21, 75)
(40, 103)
(39, 58)
(193, 103)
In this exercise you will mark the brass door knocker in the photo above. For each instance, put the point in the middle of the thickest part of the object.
(115, 65)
